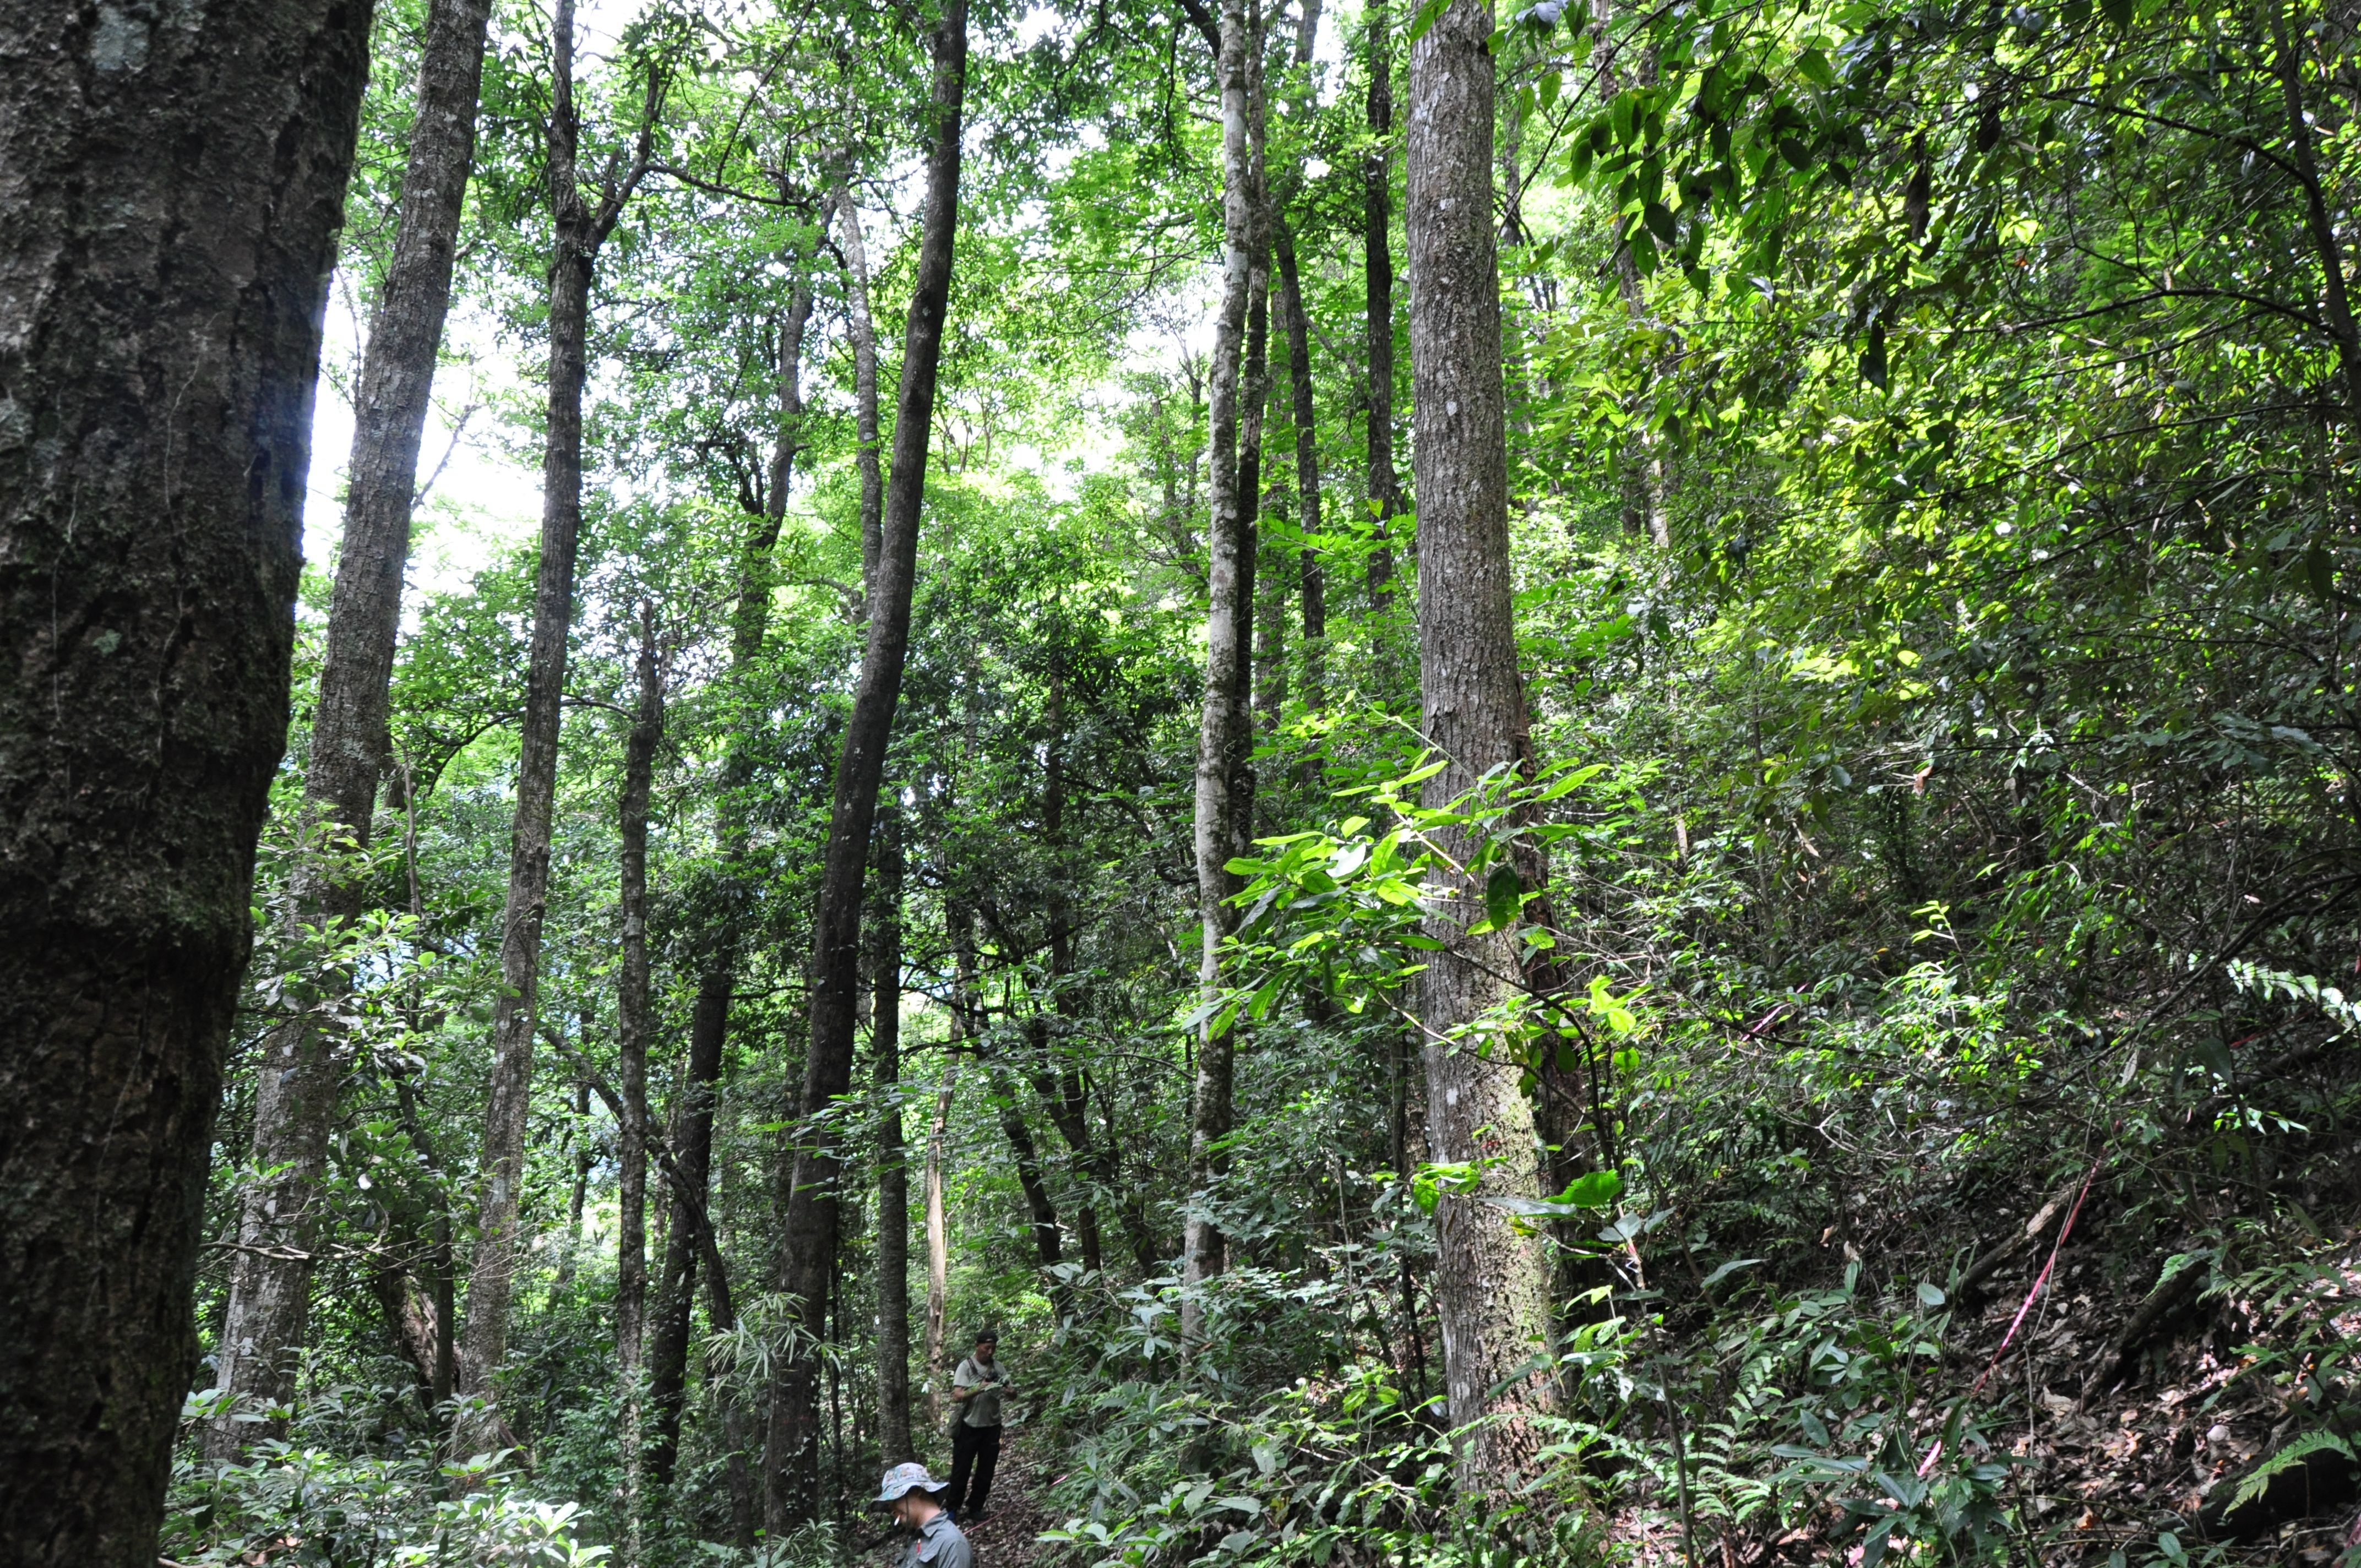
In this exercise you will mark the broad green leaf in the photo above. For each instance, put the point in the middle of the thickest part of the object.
(1503, 895)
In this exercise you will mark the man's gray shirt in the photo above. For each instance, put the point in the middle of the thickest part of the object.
(979, 1410)
(938, 1544)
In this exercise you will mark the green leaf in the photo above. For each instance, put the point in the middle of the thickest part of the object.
(2121, 13)
(1873, 359)
(1872, 1547)
(1814, 66)
(1504, 894)
(2258, 1480)
(2319, 572)
(1427, 17)
(1930, 1294)
(1596, 1190)
(1727, 1269)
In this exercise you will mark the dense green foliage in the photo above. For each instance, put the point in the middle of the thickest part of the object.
(1933, 437)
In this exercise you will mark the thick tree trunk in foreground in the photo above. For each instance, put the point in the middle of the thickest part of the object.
(582, 229)
(1492, 1284)
(170, 193)
(807, 1250)
(1378, 262)
(271, 1275)
(1200, 1244)
(892, 1166)
(631, 1031)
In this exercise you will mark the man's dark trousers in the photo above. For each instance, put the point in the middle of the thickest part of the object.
(979, 1447)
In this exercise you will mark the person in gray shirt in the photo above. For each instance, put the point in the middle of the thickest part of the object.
(937, 1542)
(976, 1389)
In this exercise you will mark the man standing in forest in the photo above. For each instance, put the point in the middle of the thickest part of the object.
(976, 1387)
(909, 1491)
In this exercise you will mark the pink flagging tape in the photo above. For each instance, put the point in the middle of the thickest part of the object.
(2031, 1296)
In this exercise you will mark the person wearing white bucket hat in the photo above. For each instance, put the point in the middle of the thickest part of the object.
(909, 1491)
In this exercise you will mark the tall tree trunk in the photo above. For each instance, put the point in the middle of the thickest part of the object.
(577, 1138)
(938, 1251)
(674, 1326)
(410, 1329)
(1043, 1213)
(1270, 638)
(1254, 415)
(1491, 1281)
(893, 1164)
(690, 1177)
(442, 1370)
(270, 1274)
(861, 327)
(582, 227)
(1378, 262)
(1201, 1246)
(631, 1032)
(170, 191)
(1313, 583)
(885, 988)
(1056, 1075)
(673, 1330)
(787, 445)
(808, 1245)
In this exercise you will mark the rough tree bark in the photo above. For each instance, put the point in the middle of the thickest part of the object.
(1200, 1244)
(582, 229)
(893, 1164)
(631, 1032)
(170, 193)
(1492, 1284)
(270, 1274)
(1378, 262)
(808, 1249)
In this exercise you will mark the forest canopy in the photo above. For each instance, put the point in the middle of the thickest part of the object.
(1568, 784)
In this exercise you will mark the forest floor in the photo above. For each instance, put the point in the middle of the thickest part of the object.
(2163, 1443)
(1007, 1537)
